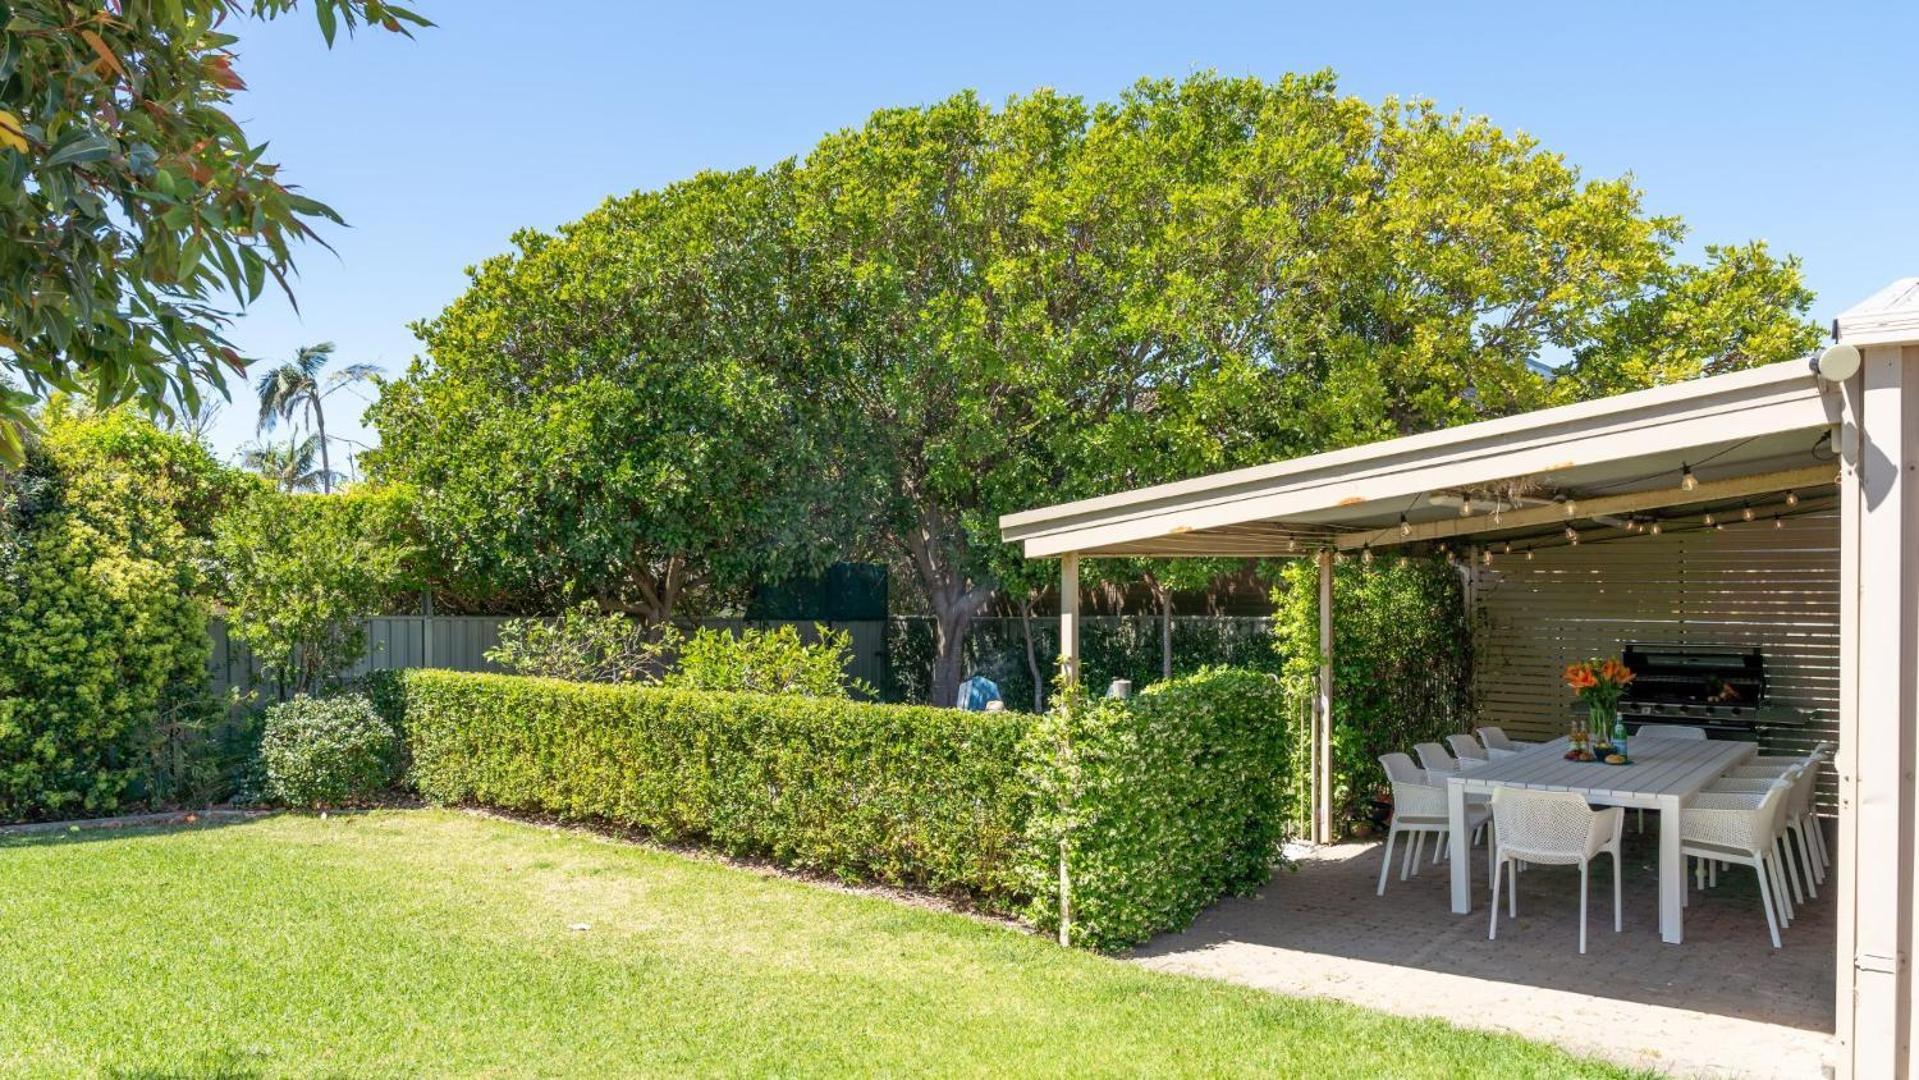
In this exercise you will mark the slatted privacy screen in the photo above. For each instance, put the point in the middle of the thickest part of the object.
(1749, 584)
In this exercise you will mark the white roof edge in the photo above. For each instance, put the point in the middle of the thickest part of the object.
(1887, 317)
(1659, 397)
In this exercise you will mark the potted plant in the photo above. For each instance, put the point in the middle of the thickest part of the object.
(1599, 684)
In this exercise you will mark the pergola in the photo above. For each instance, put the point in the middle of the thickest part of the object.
(1765, 443)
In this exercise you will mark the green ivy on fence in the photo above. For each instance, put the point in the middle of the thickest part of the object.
(1402, 664)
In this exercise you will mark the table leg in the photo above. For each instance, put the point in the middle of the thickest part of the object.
(1462, 847)
(1672, 874)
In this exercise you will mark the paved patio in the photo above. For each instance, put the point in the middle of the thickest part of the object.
(1724, 1003)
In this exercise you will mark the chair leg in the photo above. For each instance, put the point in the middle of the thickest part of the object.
(1819, 841)
(1406, 854)
(1781, 897)
(1583, 890)
(1802, 858)
(1642, 818)
(1807, 861)
(1419, 850)
(1512, 892)
(1618, 909)
(1784, 845)
(1712, 873)
(1765, 898)
(1492, 928)
(1386, 864)
(1492, 858)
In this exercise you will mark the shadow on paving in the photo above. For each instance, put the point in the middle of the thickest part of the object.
(1726, 965)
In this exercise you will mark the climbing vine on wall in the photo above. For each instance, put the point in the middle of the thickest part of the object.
(1402, 663)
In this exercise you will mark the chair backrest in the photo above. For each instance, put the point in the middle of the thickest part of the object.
(1669, 731)
(1400, 767)
(1435, 758)
(1465, 748)
(1494, 738)
(1542, 822)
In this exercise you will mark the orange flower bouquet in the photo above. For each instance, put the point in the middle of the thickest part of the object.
(1600, 684)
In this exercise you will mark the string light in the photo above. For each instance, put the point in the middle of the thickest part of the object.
(1366, 555)
(1708, 520)
(1488, 557)
(1466, 506)
(1686, 479)
(1778, 522)
(1745, 511)
(1509, 547)
(1529, 554)
(1653, 528)
(1495, 513)
(1572, 534)
(1572, 508)
(1792, 498)
(1405, 527)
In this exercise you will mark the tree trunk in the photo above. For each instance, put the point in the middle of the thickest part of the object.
(1032, 654)
(950, 655)
(326, 466)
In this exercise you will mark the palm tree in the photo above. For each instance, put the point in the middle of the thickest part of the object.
(290, 464)
(297, 387)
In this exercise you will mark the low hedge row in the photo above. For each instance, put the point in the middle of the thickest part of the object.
(1162, 803)
(901, 795)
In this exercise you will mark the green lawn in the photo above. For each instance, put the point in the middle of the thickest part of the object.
(427, 942)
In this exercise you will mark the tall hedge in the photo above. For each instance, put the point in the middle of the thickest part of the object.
(901, 795)
(103, 648)
(1161, 804)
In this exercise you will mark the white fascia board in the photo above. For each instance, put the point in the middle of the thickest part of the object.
(1887, 317)
(1760, 401)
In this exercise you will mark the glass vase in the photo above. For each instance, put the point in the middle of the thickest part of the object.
(1600, 724)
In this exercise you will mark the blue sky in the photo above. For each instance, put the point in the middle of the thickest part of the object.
(1790, 123)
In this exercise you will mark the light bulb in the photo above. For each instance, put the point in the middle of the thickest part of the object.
(1366, 555)
(1488, 557)
(1708, 519)
(1792, 498)
(1746, 511)
(1509, 547)
(1778, 522)
(1571, 508)
(1686, 479)
(1529, 555)
(1405, 527)
(1572, 534)
(1466, 507)
(1653, 528)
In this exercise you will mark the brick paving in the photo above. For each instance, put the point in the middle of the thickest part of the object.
(1722, 1003)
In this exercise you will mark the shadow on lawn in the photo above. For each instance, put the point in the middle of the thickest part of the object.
(1726, 964)
(87, 831)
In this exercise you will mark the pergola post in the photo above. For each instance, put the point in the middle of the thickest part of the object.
(1878, 863)
(1323, 710)
(1069, 617)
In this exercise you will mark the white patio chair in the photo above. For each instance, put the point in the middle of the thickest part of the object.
(1669, 731)
(1419, 808)
(1731, 828)
(1801, 821)
(1495, 739)
(1466, 748)
(1434, 757)
(1556, 828)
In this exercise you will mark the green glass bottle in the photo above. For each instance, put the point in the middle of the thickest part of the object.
(1619, 736)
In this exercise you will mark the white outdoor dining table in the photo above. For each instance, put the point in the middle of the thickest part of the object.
(1664, 774)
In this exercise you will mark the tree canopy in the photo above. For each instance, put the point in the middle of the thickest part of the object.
(617, 413)
(134, 210)
(960, 310)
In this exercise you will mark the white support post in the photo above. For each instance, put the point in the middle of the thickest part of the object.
(1323, 709)
(1069, 615)
(1878, 858)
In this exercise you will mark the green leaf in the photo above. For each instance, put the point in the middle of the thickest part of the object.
(78, 147)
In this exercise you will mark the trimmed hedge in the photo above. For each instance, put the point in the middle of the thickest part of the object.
(1164, 803)
(326, 752)
(901, 795)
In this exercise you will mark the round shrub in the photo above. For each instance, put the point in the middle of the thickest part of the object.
(332, 751)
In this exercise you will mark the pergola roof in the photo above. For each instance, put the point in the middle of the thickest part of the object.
(1742, 434)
